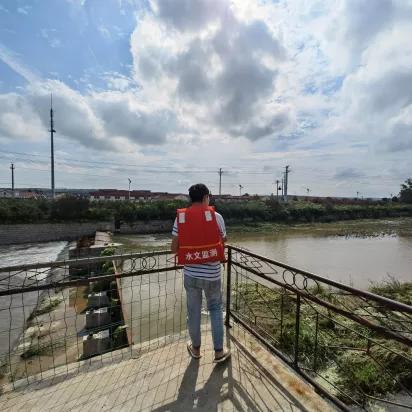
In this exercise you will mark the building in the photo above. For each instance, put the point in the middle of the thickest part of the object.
(6, 193)
(20, 194)
(135, 195)
(114, 194)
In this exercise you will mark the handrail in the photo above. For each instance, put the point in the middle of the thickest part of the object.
(82, 261)
(362, 293)
(313, 315)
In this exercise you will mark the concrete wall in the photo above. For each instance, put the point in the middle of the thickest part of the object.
(44, 232)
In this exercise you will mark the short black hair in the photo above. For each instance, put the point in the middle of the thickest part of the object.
(197, 192)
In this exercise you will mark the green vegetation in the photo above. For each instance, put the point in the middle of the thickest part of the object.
(36, 349)
(46, 307)
(394, 289)
(69, 209)
(353, 358)
(107, 267)
(405, 194)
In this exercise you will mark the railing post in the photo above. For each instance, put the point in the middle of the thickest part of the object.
(228, 285)
(315, 351)
(297, 331)
(281, 320)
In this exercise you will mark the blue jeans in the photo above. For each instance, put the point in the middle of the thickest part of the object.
(213, 293)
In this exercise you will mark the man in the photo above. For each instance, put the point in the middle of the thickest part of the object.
(198, 240)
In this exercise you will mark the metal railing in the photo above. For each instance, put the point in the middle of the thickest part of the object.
(355, 347)
(54, 314)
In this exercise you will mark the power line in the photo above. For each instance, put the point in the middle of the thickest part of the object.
(124, 165)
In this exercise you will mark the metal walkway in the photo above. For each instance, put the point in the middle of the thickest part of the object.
(166, 378)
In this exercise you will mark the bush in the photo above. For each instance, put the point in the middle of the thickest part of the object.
(405, 194)
(69, 209)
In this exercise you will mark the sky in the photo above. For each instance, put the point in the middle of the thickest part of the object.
(166, 92)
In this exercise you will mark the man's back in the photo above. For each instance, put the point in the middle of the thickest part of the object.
(210, 270)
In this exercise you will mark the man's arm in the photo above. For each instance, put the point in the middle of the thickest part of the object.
(175, 244)
(222, 227)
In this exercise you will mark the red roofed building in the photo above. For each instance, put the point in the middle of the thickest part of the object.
(114, 194)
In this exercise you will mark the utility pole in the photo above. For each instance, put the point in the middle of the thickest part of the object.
(12, 178)
(220, 181)
(52, 131)
(282, 187)
(129, 186)
(357, 195)
(277, 189)
(287, 171)
(240, 190)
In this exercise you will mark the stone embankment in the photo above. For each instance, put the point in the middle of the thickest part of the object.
(46, 232)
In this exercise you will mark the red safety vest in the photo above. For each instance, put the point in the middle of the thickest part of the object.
(199, 236)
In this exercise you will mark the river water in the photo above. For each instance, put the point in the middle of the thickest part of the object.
(353, 252)
(357, 253)
(28, 253)
(15, 309)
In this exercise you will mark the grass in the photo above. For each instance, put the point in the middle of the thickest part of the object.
(38, 349)
(394, 289)
(356, 358)
(45, 308)
(359, 228)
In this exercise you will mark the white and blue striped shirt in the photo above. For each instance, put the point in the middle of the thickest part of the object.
(211, 270)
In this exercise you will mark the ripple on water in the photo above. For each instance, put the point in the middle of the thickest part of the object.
(28, 253)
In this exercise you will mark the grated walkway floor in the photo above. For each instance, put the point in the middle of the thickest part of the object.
(165, 378)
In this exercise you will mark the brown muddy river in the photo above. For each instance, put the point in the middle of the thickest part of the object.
(351, 252)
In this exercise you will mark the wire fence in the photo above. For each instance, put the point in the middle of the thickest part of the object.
(53, 315)
(354, 346)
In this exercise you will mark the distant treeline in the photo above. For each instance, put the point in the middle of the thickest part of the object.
(324, 210)
(69, 209)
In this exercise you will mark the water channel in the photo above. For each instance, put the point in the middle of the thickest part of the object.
(353, 252)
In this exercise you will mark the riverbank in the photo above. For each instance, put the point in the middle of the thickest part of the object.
(54, 322)
(118, 213)
(353, 359)
(361, 228)
(355, 252)
(33, 323)
(46, 232)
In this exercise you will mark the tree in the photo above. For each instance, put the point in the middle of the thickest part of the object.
(405, 195)
(69, 208)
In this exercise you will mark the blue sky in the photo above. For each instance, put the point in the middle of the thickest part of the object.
(167, 92)
(70, 42)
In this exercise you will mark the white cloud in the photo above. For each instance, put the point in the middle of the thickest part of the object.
(211, 68)
(49, 35)
(18, 119)
(24, 9)
(13, 61)
(324, 86)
